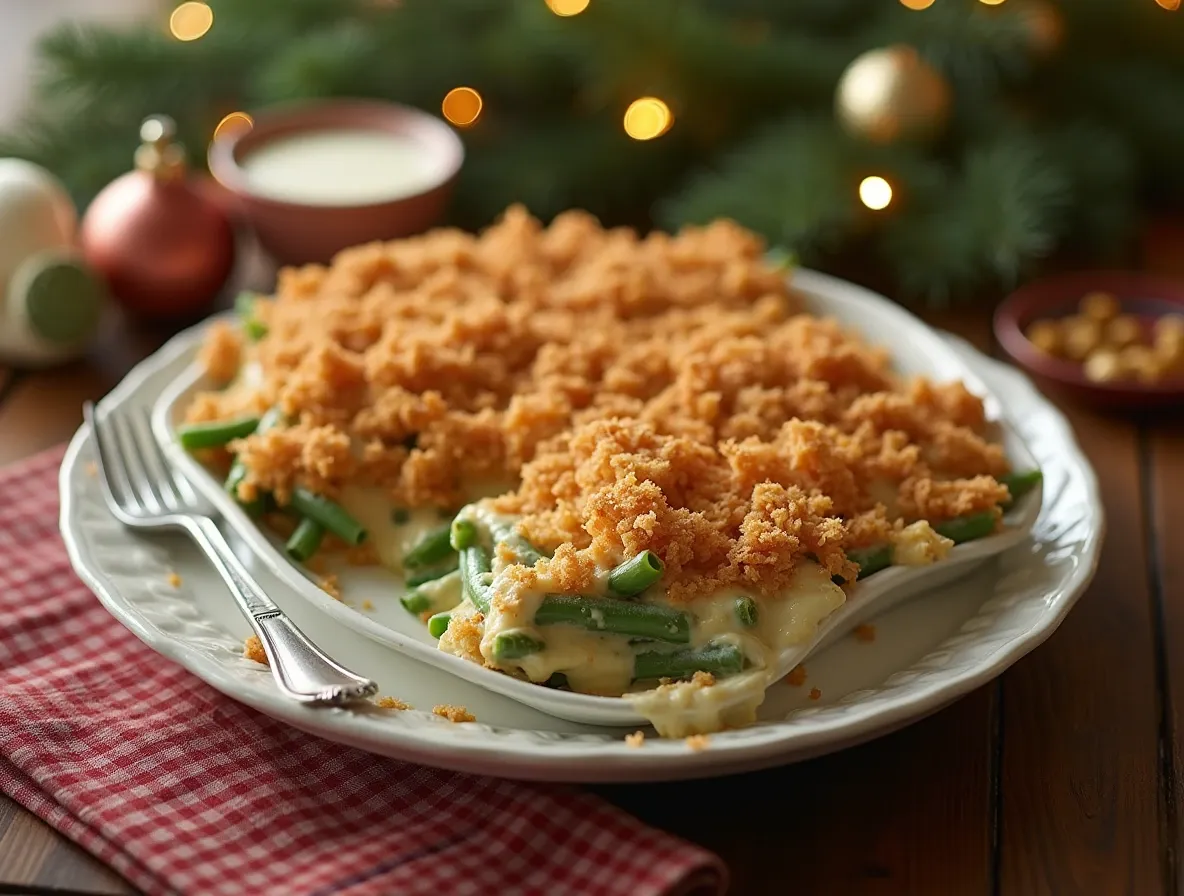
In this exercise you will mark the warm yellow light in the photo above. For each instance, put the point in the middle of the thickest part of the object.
(917, 4)
(875, 192)
(990, 2)
(1171, 5)
(567, 7)
(191, 20)
(647, 118)
(234, 123)
(461, 106)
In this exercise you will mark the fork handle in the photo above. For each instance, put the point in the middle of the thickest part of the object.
(301, 669)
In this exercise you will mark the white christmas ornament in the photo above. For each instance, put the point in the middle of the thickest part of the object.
(50, 302)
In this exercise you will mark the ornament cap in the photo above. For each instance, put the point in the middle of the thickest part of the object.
(159, 154)
(59, 298)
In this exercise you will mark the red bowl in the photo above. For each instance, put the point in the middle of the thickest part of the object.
(1142, 295)
(299, 233)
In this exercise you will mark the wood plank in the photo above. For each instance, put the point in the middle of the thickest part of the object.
(45, 408)
(38, 856)
(1079, 788)
(908, 813)
(1165, 481)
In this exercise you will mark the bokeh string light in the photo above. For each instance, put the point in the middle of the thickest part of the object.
(916, 4)
(462, 106)
(1169, 5)
(647, 118)
(191, 20)
(567, 7)
(232, 124)
(875, 192)
(990, 2)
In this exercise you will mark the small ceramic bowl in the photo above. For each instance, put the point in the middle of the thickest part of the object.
(1144, 296)
(299, 232)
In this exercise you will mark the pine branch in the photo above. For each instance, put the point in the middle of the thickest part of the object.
(794, 183)
(1005, 211)
(603, 172)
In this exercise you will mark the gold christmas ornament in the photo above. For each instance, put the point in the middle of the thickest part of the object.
(892, 94)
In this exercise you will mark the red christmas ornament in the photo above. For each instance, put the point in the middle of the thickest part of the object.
(164, 248)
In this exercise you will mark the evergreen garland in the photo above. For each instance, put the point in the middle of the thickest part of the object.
(1044, 151)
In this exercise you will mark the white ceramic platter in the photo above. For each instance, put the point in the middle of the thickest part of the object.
(915, 349)
(927, 652)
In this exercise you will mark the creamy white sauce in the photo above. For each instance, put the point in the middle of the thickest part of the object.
(445, 593)
(602, 664)
(340, 167)
(792, 618)
(919, 545)
(685, 708)
(373, 509)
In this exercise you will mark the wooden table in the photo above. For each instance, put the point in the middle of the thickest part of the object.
(1063, 776)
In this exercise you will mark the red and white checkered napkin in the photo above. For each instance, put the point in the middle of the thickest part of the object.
(182, 790)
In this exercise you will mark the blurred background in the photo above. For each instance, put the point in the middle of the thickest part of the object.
(938, 149)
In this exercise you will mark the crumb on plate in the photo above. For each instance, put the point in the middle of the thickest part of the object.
(92, 469)
(796, 676)
(367, 605)
(253, 650)
(698, 742)
(329, 585)
(636, 739)
(453, 713)
(174, 580)
(865, 633)
(815, 694)
(392, 703)
(365, 554)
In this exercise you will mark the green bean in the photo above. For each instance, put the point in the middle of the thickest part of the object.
(329, 514)
(780, 257)
(871, 560)
(214, 433)
(255, 329)
(305, 540)
(244, 305)
(475, 565)
(747, 611)
(1018, 485)
(967, 528)
(524, 552)
(616, 617)
(415, 602)
(430, 575)
(720, 659)
(438, 624)
(636, 574)
(463, 534)
(432, 548)
(515, 645)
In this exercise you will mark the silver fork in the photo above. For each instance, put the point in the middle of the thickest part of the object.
(144, 492)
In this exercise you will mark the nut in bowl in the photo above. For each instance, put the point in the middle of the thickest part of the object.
(313, 179)
(1114, 339)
